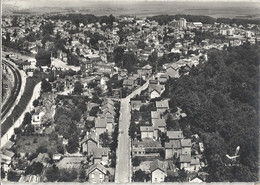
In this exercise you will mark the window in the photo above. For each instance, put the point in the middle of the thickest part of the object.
(100, 176)
(92, 176)
(155, 179)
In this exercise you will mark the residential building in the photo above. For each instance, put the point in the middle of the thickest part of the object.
(158, 171)
(97, 173)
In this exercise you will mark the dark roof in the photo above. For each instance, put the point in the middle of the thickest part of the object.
(186, 143)
(175, 134)
(100, 123)
(185, 158)
(158, 123)
(157, 165)
(173, 144)
(99, 152)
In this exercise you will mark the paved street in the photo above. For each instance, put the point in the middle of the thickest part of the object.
(123, 164)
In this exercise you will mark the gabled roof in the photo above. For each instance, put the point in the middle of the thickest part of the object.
(185, 158)
(175, 134)
(8, 153)
(91, 136)
(8, 145)
(155, 115)
(128, 82)
(98, 166)
(162, 104)
(146, 128)
(99, 152)
(186, 143)
(157, 165)
(195, 161)
(100, 123)
(176, 144)
(158, 123)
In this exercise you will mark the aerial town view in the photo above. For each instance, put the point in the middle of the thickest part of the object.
(141, 91)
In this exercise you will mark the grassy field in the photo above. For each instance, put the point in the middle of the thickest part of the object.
(19, 108)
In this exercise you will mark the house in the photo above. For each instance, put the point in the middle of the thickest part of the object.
(145, 71)
(42, 158)
(155, 115)
(56, 157)
(136, 104)
(195, 164)
(155, 90)
(163, 78)
(158, 171)
(37, 117)
(90, 141)
(6, 159)
(129, 83)
(100, 125)
(196, 180)
(147, 132)
(99, 155)
(186, 146)
(175, 135)
(162, 105)
(147, 147)
(159, 124)
(172, 149)
(97, 173)
(185, 161)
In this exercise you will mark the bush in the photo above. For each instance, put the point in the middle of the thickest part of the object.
(136, 161)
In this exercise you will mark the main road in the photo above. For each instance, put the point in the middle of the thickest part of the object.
(123, 172)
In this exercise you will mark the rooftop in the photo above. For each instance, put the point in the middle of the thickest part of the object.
(175, 134)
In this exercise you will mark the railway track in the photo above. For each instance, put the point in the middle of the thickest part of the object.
(14, 92)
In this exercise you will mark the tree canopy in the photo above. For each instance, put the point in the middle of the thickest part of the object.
(220, 98)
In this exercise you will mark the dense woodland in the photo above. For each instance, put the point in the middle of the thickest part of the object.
(221, 100)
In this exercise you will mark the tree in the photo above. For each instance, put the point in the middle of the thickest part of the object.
(118, 55)
(82, 174)
(35, 168)
(46, 86)
(29, 129)
(27, 119)
(105, 139)
(60, 149)
(94, 111)
(73, 144)
(35, 103)
(13, 176)
(2, 173)
(43, 58)
(139, 176)
(141, 44)
(18, 131)
(78, 88)
(136, 161)
(42, 149)
(68, 175)
(52, 173)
